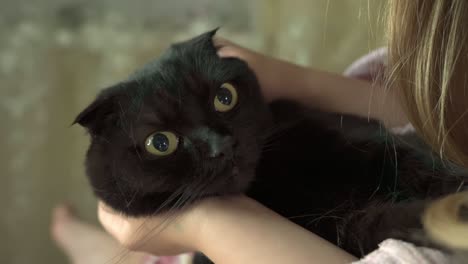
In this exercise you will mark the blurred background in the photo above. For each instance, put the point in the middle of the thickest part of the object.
(55, 55)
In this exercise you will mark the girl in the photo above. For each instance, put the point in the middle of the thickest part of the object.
(425, 83)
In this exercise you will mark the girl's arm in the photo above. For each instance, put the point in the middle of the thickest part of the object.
(243, 231)
(229, 231)
(327, 91)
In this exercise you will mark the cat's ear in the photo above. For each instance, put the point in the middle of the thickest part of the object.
(204, 40)
(96, 116)
(206, 37)
(210, 34)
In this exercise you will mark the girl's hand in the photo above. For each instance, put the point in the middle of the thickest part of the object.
(313, 88)
(183, 231)
(273, 74)
(165, 234)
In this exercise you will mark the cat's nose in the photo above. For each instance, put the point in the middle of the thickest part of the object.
(213, 143)
(221, 148)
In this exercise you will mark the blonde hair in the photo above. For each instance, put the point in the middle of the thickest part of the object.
(428, 64)
(428, 42)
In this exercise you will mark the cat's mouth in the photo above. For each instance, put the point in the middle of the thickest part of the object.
(230, 170)
(237, 180)
(229, 181)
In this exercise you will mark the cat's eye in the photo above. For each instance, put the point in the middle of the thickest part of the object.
(225, 98)
(162, 143)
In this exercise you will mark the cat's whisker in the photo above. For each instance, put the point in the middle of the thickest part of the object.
(101, 138)
(178, 194)
(132, 199)
(327, 213)
(270, 147)
(275, 132)
(395, 161)
(113, 172)
(183, 197)
(184, 200)
(140, 110)
(122, 119)
(270, 144)
(318, 219)
(273, 135)
(170, 216)
(146, 237)
(304, 215)
(268, 150)
(125, 252)
(135, 143)
(171, 198)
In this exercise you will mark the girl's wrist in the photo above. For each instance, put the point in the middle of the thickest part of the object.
(216, 214)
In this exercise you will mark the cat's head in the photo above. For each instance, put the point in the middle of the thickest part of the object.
(187, 125)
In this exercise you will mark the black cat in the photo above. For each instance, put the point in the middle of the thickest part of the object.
(191, 125)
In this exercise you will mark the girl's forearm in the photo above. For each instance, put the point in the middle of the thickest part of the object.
(336, 93)
(250, 233)
(328, 91)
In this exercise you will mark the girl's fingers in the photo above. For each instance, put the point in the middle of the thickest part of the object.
(227, 49)
(221, 42)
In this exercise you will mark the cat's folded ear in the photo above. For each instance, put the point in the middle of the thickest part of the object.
(212, 32)
(203, 40)
(206, 37)
(96, 116)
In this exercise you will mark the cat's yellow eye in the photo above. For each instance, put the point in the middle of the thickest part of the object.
(162, 143)
(225, 98)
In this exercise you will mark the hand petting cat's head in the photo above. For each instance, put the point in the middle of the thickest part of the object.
(187, 125)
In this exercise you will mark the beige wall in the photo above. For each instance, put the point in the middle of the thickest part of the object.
(51, 68)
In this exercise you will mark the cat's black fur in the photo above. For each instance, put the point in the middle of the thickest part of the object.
(341, 177)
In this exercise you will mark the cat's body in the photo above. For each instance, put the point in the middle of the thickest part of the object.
(348, 180)
(343, 178)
